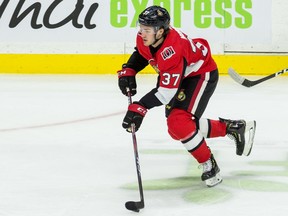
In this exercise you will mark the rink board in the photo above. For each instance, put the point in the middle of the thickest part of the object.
(110, 63)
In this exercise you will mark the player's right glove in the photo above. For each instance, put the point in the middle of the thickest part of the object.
(135, 114)
(126, 79)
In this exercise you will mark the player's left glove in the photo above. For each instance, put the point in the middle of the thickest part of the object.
(135, 114)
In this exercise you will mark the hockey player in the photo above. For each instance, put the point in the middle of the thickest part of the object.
(187, 78)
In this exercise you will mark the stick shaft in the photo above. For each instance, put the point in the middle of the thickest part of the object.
(136, 155)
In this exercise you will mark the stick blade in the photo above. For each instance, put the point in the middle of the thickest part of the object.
(134, 206)
(235, 76)
(239, 79)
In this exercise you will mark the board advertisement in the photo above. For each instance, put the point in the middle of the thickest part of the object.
(66, 22)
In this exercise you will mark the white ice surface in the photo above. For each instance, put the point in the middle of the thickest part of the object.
(63, 151)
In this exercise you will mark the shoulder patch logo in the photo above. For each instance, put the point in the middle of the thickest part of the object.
(168, 52)
(153, 63)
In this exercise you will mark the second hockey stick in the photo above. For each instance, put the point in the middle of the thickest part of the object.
(135, 205)
(249, 83)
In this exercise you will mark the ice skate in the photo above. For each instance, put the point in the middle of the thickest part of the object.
(242, 133)
(211, 174)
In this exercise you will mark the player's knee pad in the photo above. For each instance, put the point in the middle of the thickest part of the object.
(180, 124)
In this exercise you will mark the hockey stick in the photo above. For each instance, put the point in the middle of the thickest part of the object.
(134, 205)
(249, 83)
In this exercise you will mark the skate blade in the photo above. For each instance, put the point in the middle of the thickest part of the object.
(217, 179)
(250, 133)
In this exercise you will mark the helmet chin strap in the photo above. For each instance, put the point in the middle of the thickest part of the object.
(156, 40)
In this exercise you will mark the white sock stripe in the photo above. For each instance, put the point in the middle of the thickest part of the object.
(204, 127)
(195, 140)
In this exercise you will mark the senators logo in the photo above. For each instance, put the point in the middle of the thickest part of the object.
(168, 52)
(181, 96)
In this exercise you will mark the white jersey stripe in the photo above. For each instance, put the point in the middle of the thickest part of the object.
(165, 94)
(194, 67)
(201, 91)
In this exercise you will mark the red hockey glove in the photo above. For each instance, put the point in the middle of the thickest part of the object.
(126, 79)
(135, 114)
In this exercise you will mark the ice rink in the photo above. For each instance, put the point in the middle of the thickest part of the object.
(63, 151)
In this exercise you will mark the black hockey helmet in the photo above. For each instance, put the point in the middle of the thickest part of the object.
(155, 16)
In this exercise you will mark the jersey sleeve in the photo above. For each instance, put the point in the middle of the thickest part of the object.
(150, 100)
(136, 61)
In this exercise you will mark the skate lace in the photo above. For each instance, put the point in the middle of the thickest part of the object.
(207, 166)
(232, 137)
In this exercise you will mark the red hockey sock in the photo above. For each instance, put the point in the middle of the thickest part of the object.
(217, 128)
(202, 153)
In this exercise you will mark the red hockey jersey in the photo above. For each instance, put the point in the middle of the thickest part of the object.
(168, 61)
